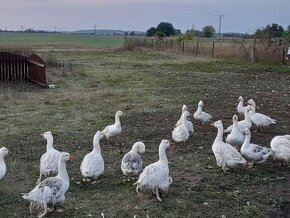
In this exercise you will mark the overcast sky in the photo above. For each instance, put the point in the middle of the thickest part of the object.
(243, 16)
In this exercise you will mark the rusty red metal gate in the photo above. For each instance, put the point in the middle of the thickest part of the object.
(14, 67)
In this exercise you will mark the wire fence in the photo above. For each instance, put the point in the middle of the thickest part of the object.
(235, 48)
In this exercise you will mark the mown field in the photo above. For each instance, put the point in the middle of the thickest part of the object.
(57, 40)
(150, 88)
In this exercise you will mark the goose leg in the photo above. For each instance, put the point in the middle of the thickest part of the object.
(137, 189)
(31, 207)
(224, 168)
(157, 194)
(42, 214)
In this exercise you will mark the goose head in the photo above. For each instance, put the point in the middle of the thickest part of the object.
(66, 156)
(3, 151)
(248, 108)
(139, 147)
(184, 108)
(246, 132)
(165, 144)
(241, 99)
(120, 113)
(251, 102)
(47, 135)
(200, 103)
(99, 135)
(217, 124)
(235, 119)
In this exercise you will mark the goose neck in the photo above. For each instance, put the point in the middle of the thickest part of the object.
(254, 107)
(62, 173)
(247, 115)
(117, 120)
(49, 144)
(96, 145)
(184, 118)
(247, 140)
(162, 154)
(219, 137)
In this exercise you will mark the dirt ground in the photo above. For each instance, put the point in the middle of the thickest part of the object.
(150, 88)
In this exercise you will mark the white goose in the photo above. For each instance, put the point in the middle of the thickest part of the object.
(200, 115)
(281, 147)
(180, 133)
(155, 176)
(188, 122)
(51, 191)
(259, 119)
(114, 129)
(241, 108)
(92, 165)
(3, 152)
(225, 154)
(49, 160)
(254, 152)
(245, 123)
(235, 138)
(132, 163)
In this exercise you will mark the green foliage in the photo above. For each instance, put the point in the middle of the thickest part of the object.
(159, 34)
(184, 37)
(269, 32)
(208, 31)
(164, 27)
(132, 33)
(151, 31)
(194, 32)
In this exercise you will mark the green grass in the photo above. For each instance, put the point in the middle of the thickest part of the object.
(59, 40)
(150, 87)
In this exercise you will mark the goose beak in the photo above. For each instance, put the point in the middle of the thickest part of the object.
(212, 124)
(42, 135)
(71, 157)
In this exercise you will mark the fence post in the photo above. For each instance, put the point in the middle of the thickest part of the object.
(197, 47)
(125, 44)
(183, 46)
(213, 48)
(254, 51)
(283, 55)
(170, 44)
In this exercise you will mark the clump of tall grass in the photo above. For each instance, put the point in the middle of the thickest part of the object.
(51, 60)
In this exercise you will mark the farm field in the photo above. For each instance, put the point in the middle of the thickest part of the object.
(58, 40)
(150, 88)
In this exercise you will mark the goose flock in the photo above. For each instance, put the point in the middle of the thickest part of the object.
(237, 150)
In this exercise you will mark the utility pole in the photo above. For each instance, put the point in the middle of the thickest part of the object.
(220, 16)
(94, 29)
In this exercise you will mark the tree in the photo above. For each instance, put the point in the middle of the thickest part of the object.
(270, 31)
(159, 34)
(194, 32)
(184, 37)
(126, 33)
(151, 31)
(208, 31)
(166, 28)
(132, 33)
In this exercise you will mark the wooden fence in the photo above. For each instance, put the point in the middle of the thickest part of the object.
(220, 48)
(14, 67)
